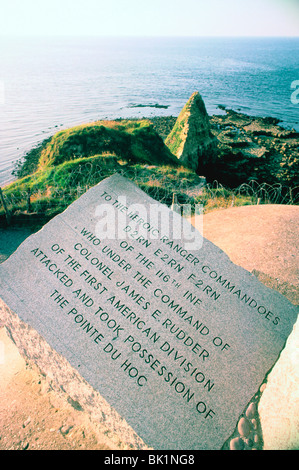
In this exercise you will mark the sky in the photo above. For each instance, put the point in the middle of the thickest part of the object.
(149, 17)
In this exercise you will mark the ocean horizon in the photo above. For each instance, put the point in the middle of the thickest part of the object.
(51, 83)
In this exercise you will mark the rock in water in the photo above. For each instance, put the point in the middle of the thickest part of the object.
(191, 139)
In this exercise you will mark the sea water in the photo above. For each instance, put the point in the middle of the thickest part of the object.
(50, 84)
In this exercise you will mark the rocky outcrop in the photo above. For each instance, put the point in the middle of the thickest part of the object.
(191, 140)
(253, 148)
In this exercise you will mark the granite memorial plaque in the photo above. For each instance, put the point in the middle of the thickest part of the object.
(174, 336)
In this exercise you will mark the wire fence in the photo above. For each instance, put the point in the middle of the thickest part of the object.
(58, 189)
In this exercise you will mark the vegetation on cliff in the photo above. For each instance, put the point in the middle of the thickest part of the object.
(133, 141)
(249, 151)
(50, 190)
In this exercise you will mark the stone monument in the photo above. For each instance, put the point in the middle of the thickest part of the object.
(144, 323)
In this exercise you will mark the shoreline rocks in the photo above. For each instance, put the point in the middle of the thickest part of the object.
(244, 148)
(253, 148)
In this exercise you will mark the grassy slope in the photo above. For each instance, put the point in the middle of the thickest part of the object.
(51, 190)
(134, 141)
(74, 160)
(56, 187)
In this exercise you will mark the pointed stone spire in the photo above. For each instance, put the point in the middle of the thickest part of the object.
(191, 139)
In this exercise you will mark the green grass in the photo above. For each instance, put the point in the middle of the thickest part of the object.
(59, 186)
(62, 168)
(51, 190)
(134, 141)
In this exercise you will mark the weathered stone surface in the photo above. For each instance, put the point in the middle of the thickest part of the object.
(264, 240)
(172, 347)
(65, 378)
(191, 139)
(244, 427)
(237, 444)
(279, 404)
(251, 411)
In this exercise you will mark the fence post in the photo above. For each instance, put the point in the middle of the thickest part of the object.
(7, 213)
(175, 206)
(291, 196)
